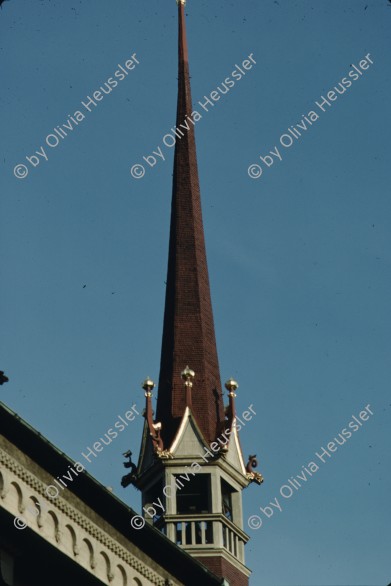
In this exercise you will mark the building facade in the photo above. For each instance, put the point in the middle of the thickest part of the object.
(82, 535)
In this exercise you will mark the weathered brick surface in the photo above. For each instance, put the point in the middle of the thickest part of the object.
(188, 331)
(222, 568)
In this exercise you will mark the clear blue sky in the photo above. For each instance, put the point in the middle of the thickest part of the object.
(299, 259)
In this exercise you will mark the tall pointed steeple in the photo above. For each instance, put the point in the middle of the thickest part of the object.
(191, 470)
(188, 332)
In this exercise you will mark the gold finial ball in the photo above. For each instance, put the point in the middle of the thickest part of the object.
(231, 385)
(148, 385)
(187, 374)
(181, 2)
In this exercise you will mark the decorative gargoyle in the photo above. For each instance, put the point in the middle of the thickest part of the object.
(132, 476)
(253, 476)
(156, 437)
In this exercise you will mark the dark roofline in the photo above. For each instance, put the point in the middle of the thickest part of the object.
(108, 506)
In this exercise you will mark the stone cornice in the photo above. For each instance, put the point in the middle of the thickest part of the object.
(15, 478)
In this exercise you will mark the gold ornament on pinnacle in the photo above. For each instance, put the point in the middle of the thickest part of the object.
(148, 386)
(231, 385)
(188, 375)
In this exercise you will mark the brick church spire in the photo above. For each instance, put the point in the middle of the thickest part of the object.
(188, 331)
(191, 470)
